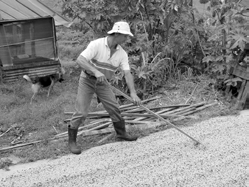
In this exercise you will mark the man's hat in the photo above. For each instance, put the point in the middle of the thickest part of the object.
(121, 27)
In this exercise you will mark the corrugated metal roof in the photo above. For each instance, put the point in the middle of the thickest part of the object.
(27, 9)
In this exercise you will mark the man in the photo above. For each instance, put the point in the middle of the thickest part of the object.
(99, 61)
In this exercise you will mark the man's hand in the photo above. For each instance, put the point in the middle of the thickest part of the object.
(100, 76)
(136, 99)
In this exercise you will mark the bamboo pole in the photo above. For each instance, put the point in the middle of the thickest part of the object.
(129, 108)
(105, 138)
(201, 108)
(179, 110)
(91, 124)
(159, 112)
(159, 107)
(95, 131)
(125, 115)
(171, 111)
(186, 112)
(124, 107)
(182, 111)
(81, 133)
(138, 122)
(150, 115)
(6, 131)
(21, 145)
(191, 94)
(85, 130)
(198, 109)
(144, 101)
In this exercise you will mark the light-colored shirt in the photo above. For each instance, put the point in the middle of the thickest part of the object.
(98, 54)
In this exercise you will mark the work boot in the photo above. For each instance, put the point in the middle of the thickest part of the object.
(121, 132)
(72, 135)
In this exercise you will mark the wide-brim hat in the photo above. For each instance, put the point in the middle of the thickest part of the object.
(121, 27)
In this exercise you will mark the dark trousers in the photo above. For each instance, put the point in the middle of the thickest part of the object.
(88, 85)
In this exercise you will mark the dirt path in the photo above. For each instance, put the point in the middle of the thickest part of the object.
(166, 158)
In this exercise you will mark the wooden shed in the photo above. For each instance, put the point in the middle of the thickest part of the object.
(28, 42)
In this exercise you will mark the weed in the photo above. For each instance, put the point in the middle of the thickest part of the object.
(5, 163)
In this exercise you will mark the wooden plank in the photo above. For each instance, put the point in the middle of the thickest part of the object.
(241, 72)
(241, 90)
(30, 65)
(13, 75)
(5, 58)
(246, 105)
(240, 104)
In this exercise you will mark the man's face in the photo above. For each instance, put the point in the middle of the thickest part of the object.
(121, 38)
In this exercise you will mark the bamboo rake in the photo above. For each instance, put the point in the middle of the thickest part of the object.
(156, 115)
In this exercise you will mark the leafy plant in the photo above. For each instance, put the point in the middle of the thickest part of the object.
(160, 27)
(227, 29)
(167, 33)
(232, 81)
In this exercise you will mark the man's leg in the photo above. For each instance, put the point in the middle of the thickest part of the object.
(108, 99)
(84, 97)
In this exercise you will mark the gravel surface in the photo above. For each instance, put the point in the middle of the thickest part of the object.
(167, 159)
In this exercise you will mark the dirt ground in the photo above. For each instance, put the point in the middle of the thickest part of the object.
(166, 158)
(44, 118)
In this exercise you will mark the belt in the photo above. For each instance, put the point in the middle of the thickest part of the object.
(89, 75)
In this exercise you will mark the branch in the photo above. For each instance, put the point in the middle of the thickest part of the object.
(191, 94)
(199, 40)
(6, 131)
(78, 16)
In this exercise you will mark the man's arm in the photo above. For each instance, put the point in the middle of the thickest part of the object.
(84, 63)
(130, 82)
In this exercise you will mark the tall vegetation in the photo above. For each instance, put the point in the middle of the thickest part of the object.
(228, 30)
(168, 33)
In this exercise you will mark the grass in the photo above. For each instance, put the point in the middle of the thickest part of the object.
(44, 118)
(4, 164)
(202, 8)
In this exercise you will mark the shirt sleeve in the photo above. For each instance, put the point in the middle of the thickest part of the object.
(125, 62)
(91, 51)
